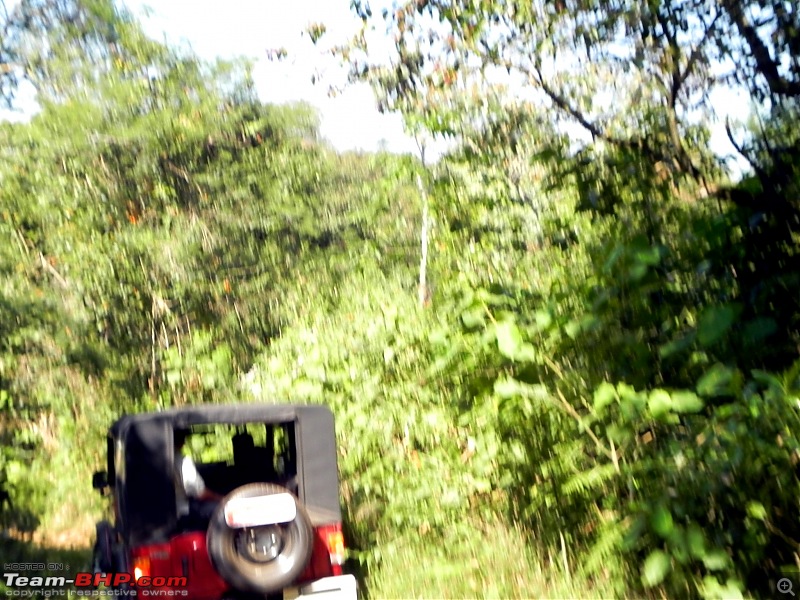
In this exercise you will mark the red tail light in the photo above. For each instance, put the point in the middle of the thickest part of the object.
(328, 555)
(141, 567)
(150, 561)
(334, 542)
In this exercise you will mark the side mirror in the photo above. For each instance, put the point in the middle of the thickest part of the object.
(100, 481)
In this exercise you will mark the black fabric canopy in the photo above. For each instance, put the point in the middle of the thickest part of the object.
(145, 484)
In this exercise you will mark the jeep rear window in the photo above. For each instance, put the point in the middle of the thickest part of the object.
(271, 458)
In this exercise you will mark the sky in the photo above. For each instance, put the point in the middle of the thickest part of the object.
(349, 121)
(250, 27)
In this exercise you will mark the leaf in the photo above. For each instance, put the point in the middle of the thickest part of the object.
(221, 357)
(572, 329)
(443, 361)
(650, 256)
(536, 391)
(604, 395)
(759, 329)
(767, 379)
(711, 589)
(388, 355)
(637, 271)
(715, 322)
(684, 401)
(491, 299)
(613, 257)
(676, 346)
(661, 522)
(209, 381)
(509, 339)
(526, 353)
(732, 590)
(716, 560)
(659, 402)
(757, 510)
(678, 546)
(173, 377)
(439, 337)
(14, 472)
(696, 540)
(506, 388)
(717, 381)
(576, 326)
(634, 532)
(473, 319)
(543, 319)
(655, 568)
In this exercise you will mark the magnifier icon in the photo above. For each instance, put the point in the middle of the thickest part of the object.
(785, 586)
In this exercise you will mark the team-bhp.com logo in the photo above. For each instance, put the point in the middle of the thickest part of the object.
(88, 584)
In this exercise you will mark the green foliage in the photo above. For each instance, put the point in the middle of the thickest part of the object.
(165, 227)
(608, 335)
(602, 381)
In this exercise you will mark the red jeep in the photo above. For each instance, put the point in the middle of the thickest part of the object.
(271, 527)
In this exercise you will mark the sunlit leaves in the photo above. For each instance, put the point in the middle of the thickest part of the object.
(655, 568)
(695, 541)
(604, 396)
(757, 511)
(203, 363)
(506, 388)
(730, 590)
(716, 560)
(684, 401)
(509, 339)
(659, 403)
(473, 318)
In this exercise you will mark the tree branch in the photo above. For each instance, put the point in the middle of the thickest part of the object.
(695, 55)
(673, 55)
(678, 78)
(52, 270)
(639, 144)
(592, 128)
(765, 64)
(741, 149)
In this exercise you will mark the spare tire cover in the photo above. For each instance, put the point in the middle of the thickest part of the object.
(245, 574)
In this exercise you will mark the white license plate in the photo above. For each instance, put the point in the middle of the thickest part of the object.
(260, 510)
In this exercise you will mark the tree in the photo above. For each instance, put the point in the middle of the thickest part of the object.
(631, 74)
(656, 323)
(59, 46)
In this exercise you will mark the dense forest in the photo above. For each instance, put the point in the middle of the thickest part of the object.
(563, 366)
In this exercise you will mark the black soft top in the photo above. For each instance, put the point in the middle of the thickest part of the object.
(143, 475)
(226, 414)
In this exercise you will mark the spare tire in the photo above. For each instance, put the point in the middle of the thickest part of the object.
(260, 559)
